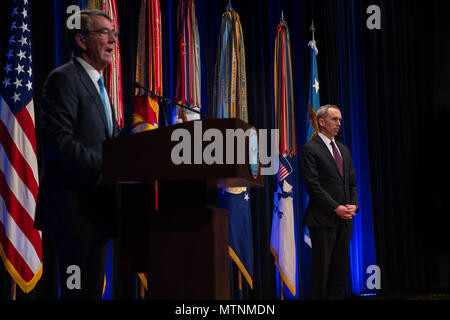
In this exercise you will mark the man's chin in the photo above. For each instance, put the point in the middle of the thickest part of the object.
(107, 62)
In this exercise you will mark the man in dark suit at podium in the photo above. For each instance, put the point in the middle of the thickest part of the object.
(75, 207)
(330, 180)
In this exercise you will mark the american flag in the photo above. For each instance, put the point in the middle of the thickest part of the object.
(284, 169)
(20, 243)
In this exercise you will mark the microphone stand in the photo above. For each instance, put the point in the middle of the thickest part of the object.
(167, 100)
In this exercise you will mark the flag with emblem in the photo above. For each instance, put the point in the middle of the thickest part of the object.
(230, 101)
(240, 235)
(312, 127)
(282, 240)
(20, 243)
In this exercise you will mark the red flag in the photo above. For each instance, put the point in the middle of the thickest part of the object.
(189, 73)
(148, 67)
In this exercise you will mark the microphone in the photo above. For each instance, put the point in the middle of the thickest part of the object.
(167, 100)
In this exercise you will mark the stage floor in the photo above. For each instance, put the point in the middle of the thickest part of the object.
(408, 296)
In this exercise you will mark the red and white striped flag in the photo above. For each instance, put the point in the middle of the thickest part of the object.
(282, 171)
(20, 243)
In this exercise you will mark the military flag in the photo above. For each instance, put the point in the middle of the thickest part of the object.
(148, 67)
(20, 243)
(282, 241)
(149, 74)
(230, 101)
(189, 70)
(312, 127)
(230, 86)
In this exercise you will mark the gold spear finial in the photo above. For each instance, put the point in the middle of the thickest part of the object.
(312, 28)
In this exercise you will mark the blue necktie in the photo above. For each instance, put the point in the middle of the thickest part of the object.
(101, 86)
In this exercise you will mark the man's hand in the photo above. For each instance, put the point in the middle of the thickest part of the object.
(344, 212)
(352, 208)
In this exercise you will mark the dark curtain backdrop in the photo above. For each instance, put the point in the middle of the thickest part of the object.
(397, 82)
(396, 77)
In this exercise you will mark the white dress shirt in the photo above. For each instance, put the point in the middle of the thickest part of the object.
(328, 144)
(95, 75)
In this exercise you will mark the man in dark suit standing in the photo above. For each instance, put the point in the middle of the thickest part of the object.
(330, 180)
(76, 208)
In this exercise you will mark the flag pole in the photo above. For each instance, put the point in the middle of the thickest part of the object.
(282, 289)
(13, 289)
(240, 284)
(155, 184)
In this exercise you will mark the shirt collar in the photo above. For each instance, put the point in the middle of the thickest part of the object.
(91, 71)
(326, 139)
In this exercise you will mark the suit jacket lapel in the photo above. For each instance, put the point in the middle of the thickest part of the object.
(328, 154)
(92, 90)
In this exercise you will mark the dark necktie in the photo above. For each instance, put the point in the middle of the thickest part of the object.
(101, 86)
(337, 158)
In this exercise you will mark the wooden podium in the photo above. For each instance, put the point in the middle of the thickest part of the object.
(183, 245)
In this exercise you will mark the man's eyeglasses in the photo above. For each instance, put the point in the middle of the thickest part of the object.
(104, 32)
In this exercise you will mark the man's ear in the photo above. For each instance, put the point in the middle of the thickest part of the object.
(321, 122)
(80, 40)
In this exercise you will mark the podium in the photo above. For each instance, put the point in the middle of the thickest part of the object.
(183, 245)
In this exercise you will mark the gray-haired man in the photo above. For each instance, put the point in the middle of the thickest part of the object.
(329, 177)
(75, 208)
